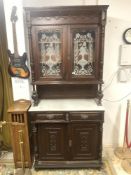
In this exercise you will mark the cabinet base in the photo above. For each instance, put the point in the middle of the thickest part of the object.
(67, 164)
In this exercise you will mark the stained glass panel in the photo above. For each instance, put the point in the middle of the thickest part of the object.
(50, 49)
(83, 48)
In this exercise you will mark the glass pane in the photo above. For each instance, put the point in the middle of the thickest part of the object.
(83, 53)
(50, 49)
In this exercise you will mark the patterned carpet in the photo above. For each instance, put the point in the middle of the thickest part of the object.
(7, 169)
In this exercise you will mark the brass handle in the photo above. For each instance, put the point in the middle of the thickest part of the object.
(50, 116)
(84, 116)
(67, 116)
(70, 143)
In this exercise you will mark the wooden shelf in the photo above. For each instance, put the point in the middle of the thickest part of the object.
(65, 82)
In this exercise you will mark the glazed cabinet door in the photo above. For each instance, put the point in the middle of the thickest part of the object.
(51, 142)
(48, 52)
(84, 52)
(85, 141)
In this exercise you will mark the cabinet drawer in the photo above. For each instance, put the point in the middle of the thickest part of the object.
(49, 116)
(86, 116)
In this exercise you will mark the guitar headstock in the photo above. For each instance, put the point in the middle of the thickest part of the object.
(13, 17)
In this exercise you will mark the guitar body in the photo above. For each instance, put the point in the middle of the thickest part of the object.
(17, 66)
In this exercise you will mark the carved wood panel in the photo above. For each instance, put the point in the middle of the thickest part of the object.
(84, 141)
(65, 20)
(51, 140)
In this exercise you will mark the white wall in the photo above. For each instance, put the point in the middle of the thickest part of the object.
(20, 86)
(119, 18)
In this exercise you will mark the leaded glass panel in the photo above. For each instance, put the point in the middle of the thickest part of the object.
(50, 50)
(83, 49)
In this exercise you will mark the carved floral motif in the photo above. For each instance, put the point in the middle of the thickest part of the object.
(52, 141)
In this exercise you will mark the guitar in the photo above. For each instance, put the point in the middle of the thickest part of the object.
(17, 66)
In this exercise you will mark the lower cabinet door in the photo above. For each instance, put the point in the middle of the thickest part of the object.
(86, 141)
(51, 141)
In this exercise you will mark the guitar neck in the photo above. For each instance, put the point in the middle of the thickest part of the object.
(15, 40)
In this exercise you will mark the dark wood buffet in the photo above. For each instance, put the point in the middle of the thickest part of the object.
(66, 118)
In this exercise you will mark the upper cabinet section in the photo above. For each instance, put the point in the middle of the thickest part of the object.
(66, 44)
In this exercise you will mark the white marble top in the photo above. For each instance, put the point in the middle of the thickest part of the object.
(67, 105)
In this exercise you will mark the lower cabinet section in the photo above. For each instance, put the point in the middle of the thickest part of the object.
(67, 140)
